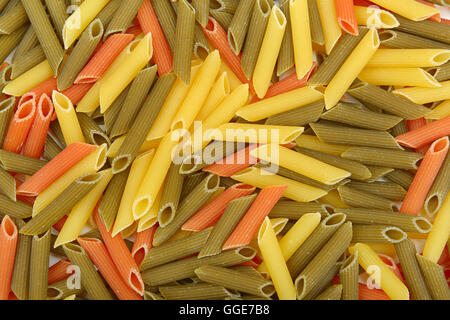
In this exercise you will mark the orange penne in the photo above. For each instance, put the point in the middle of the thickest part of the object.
(60, 224)
(122, 258)
(134, 30)
(55, 168)
(103, 58)
(46, 87)
(425, 175)
(219, 39)
(371, 294)
(161, 50)
(445, 21)
(35, 142)
(416, 124)
(59, 271)
(233, 163)
(287, 84)
(76, 92)
(20, 126)
(346, 16)
(143, 244)
(8, 244)
(99, 255)
(426, 134)
(211, 213)
(254, 217)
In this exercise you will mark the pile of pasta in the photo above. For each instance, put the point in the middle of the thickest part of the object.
(341, 193)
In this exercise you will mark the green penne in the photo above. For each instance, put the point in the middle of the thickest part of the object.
(309, 249)
(110, 116)
(402, 40)
(399, 129)
(343, 48)
(51, 148)
(323, 260)
(60, 290)
(286, 55)
(201, 44)
(135, 97)
(434, 276)
(19, 280)
(352, 136)
(201, 11)
(198, 291)
(315, 24)
(358, 171)
(7, 184)
(62, 204)
(295, 210)
(58, 14)
(144, 121)
(92, 131)
(171, 195)
(91, 281)
(15, 209)
(225, 226)
(112, 196)
(401, 177)
(39, 260)
(406, 252)
(406, 222)
(188, 206)
(108, 12)
(223, 18)
(426, 28)
(167, 19)
(238, 28)
(349, 277)
(235, 280)
(185, 268)
(333, 292)
(13, 19)
(9, 41)
(80, 54)
(184, 41)
(190, 182)
(123, 17)
(17, 163)
(377, 234)
(387, 190)
(383, 157)
(439, 190)
(28, 42)
(441, 73)
(44, 31)
(6, 113)
(298, 117)
(171, 251)
(358, 117)
(376, 96)
(360, 199)
(27, 61)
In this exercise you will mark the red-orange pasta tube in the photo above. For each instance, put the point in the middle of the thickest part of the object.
(8, 244)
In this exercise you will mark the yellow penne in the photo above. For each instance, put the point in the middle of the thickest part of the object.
(425, 95)
(301, 36)
(398, 77)
(333, 199)
(125, 216)
(154, 177)
(438, 237)
(67, 118)
(262, 179)
(29, 79)
(281, 103)
(295, 237)
(151, 217)
(276, 265)
(351, 68)
(162, 123)
(312, 142)
(224, 112)
(269, 51)
(219, 91)
(92, 163)
(441, 111)
(255, 133)
(411, 9)
(113, 86)
(80, 214)
(91, 100)
(300, 163)
(80, 19)
(278, 224)
(397, 58)
(234, 81)
(375, 18)
(380, 273)
(331, 29)
(198, 92)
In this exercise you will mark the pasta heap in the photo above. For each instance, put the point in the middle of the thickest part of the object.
(224, 149)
